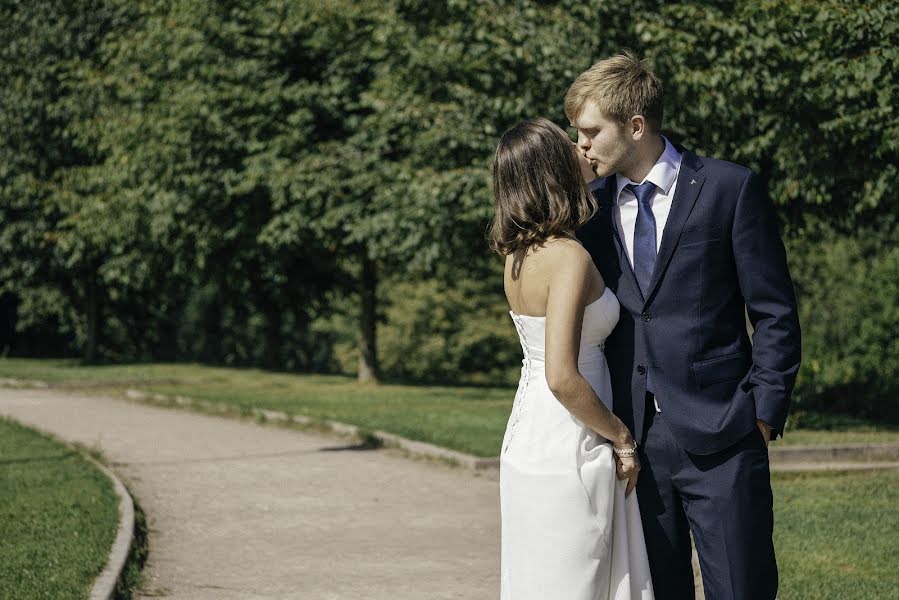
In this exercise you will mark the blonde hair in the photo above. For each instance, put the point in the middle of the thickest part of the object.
(621, 86)
(538, 188)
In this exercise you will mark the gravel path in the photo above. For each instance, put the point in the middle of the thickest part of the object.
(238, 510)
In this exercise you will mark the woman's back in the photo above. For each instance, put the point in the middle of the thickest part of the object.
(527, 275)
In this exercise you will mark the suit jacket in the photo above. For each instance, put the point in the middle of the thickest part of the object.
(721, 253)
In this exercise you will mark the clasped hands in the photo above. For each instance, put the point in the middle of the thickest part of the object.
(628, 467)
(765, 429)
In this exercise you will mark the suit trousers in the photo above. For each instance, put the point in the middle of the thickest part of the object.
(724, 499)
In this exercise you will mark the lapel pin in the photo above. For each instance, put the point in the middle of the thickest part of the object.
(692, 182)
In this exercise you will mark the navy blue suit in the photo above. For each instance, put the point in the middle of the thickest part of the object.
(705, 465)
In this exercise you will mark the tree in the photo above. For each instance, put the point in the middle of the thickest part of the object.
(406, 117)
(55, 234)
(804, 92)
(196, 109)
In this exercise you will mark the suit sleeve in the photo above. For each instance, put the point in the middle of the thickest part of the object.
(770, 302)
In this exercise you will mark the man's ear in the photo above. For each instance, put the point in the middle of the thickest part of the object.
(637, 127)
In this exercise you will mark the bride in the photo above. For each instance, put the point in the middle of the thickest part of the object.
(570, 523)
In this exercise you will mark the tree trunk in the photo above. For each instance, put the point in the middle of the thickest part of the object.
(273, 322)
(93, 319)
(211, 350)
(368, 355)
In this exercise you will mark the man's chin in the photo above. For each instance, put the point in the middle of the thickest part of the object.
(603, 171)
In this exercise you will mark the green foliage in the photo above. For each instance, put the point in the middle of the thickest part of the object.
(246, 182)
(848, 289)
(208, 125)
(435, 109)
(429, 331)
(804, 92)
(459, 333)
(55, 225)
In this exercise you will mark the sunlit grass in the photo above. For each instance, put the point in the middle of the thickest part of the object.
(470, 419)
(835, 535)
(58, 517)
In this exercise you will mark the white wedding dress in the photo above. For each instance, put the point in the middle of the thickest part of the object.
(568, 532)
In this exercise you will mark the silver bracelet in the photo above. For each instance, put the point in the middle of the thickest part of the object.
(624, 452)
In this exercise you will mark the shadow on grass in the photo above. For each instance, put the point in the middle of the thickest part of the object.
(216, 459)
(131, 578)
(112, 383)
(498, 382)
(812, 420)
(368, 442)
(36, 459)
(98, 366)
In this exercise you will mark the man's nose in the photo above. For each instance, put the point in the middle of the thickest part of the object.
(583, 141)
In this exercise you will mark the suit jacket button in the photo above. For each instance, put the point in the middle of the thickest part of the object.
(646, 317)
(641, 369)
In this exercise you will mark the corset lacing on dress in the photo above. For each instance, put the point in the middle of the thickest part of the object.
(523, 382)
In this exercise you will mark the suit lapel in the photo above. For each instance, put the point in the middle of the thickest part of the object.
(689, 184)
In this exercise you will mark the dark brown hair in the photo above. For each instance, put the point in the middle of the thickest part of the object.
(538, 188)
(621, 86)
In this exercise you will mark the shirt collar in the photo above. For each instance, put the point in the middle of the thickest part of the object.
(663, 174)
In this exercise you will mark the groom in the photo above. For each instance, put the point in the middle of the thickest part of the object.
(688, 243)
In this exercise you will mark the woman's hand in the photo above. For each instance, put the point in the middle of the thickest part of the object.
(628, 467)
(765, 429)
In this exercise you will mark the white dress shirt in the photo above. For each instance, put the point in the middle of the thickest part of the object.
(664, 175)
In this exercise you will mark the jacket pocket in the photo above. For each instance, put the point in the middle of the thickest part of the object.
(722, 368)
(693, 237)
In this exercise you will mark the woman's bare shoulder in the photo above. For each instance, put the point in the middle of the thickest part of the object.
(567, 251)
(554, 257)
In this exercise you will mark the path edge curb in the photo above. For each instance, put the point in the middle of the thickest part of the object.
(105, 583)
(846, 457)
(413, 447)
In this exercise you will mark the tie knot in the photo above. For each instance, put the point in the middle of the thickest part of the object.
(644, 192)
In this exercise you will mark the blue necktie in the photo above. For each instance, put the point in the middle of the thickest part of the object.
(644, 234)
(644, 242)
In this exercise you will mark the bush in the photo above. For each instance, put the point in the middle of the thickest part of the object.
(848, 292)
(452, 333)
(431, 331)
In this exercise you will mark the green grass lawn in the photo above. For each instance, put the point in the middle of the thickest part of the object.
(466, 418)
(835, 535)
(58, 517)
(814, 437)
(809, 428)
